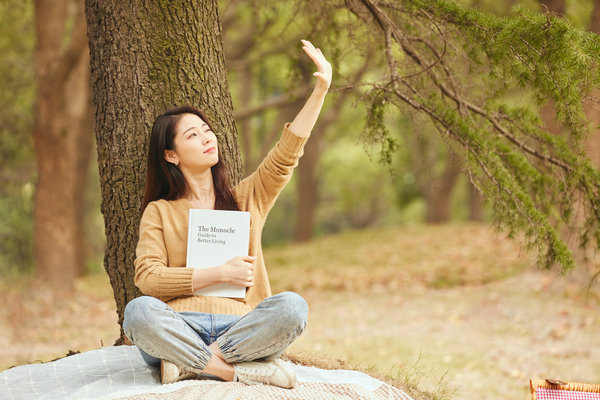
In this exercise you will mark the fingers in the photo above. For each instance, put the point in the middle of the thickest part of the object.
(308, 44)
(315, 54)
(324, 72)
(249, 276)
(248, 263)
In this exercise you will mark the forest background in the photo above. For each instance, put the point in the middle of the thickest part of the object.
(340, 184)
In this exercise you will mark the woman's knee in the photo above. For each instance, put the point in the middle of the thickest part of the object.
(138, 314)
(293, 309)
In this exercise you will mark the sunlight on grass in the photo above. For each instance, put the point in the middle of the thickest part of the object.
(419, 255)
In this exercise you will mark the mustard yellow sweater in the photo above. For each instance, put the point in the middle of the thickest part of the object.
(160, 264)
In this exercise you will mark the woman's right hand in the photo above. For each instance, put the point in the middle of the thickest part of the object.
(239, 271)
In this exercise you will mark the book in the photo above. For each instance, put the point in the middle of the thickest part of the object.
(215, 237)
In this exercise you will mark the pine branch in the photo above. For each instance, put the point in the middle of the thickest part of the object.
(529, 168)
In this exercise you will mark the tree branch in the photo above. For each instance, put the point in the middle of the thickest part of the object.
(279, 101)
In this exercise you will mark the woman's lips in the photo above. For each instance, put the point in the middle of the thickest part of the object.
(210, 150)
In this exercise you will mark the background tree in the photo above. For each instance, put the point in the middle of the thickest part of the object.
(62, 137)
(146, 57)
(264, 70)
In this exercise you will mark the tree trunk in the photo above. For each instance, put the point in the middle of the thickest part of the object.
(245, 125)
(595, 22)
(306, 188)
(62, 143)
(147, 56)
(308, 181)
(438, 208)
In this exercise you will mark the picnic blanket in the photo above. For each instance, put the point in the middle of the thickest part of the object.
(119, 372)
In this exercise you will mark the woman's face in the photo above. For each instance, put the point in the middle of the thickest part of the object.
(196, 146)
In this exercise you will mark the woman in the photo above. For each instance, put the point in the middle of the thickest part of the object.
(236, 340)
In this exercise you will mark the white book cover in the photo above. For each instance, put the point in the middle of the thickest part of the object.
(215, 237)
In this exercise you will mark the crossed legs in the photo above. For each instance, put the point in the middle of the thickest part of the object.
(211, 343)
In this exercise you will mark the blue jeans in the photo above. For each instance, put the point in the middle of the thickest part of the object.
(183, 337)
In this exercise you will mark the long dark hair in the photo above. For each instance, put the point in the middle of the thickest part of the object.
(164, 180)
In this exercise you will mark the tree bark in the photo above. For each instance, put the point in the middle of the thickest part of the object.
(62, 142)
(147, 56)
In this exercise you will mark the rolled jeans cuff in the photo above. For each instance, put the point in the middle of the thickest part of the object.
(227, 349)
(203, 359)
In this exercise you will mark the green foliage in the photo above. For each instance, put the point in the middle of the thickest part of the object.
(376, 131)
(16, 231)
(17, 163)
(463, 69)
(354, 191)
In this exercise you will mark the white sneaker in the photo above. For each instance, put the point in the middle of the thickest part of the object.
(170, 372)
(276, 373)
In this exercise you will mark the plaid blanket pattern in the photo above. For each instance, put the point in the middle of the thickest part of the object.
(557, 394)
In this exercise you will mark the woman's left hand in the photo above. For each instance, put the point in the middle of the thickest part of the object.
(323, 73)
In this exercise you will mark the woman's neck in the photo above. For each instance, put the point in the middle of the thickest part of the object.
(201, 189)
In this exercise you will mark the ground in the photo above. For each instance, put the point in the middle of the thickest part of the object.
(456, 303)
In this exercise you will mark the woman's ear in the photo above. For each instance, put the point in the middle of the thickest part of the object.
(171, 157)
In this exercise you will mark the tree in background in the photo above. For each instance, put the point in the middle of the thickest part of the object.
(62, 136)
(260, 64)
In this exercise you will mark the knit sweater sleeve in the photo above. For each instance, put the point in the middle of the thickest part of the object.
(275, 171)
(153, 276)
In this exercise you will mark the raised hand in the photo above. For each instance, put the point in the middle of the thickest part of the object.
(323, 73)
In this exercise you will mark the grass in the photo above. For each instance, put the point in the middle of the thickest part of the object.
(379, 265)
(429, 256)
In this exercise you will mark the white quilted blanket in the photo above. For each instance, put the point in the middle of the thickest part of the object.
(121, 373)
